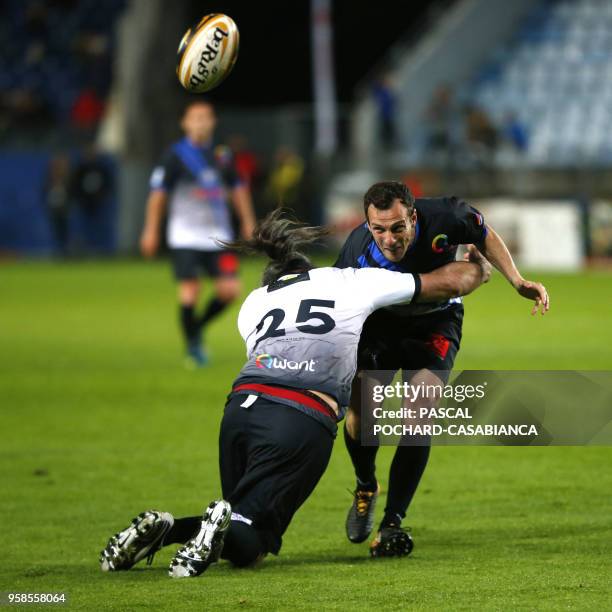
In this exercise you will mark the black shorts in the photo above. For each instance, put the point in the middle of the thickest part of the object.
(392, 342)
(191, 263)
(271, 457)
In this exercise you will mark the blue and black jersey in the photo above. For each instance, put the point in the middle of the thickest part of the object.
(442, 224)
(198, 181)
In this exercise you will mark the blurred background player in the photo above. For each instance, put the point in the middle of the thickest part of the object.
(408, 235)
(196, 181)
(280, 422)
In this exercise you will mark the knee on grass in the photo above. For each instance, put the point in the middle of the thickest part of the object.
(243, 546)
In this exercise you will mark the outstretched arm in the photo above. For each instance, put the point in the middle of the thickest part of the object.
(494, 249)
(241, 198)
(455, 279)
(156, 206)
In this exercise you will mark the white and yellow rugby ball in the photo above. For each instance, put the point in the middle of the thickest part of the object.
(207, 53)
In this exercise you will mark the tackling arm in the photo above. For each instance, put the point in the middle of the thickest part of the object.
(455, 279)
(494, 249)
(156, 206)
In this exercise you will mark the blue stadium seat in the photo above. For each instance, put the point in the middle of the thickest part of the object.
(556, 77)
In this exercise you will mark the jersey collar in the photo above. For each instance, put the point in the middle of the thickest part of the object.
(203, 147)
(378, 256)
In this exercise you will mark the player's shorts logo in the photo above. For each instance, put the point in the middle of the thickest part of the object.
(228, 263)
(439, 345)
(264, 361)
(440, 243)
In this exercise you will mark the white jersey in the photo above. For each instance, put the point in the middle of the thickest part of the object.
(195, 222)
(302, 331)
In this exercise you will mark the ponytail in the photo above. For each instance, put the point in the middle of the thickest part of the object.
(281, 238)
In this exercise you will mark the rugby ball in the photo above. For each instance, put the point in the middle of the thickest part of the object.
(207, 53)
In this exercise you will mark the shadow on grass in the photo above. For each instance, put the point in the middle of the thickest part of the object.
(271, 563)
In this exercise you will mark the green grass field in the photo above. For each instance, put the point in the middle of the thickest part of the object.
(101, 421)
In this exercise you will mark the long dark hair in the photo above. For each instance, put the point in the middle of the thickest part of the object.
(282, 238)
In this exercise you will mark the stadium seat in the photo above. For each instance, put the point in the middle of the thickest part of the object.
(556, 78)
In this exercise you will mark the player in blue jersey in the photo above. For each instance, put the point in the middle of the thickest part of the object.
(411, 236)
(195, 182)
(301, 330)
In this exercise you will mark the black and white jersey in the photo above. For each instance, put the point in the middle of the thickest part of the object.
(302, 331)
(198, 180)
(442, 224)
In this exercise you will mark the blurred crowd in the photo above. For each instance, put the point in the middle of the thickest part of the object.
(454, 133)
(78, 194)
(273, 180)
(55, 65)
(466, 134)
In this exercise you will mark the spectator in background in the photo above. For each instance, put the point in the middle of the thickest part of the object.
(441, 118)
(94, 60)
(58, 68)
(57, 200)
(285, 179)
(37, 32)
(87, 111)
(23, 111)
(481, 135)
(91, 181)
(245, 161)
(384, 97)
(515, 133)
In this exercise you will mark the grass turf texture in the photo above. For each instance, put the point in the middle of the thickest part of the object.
(101, 421)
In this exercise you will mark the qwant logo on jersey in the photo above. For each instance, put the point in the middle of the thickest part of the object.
(264, 361)
(268, 362)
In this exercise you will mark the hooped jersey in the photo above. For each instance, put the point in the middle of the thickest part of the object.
(442, 224)
(302, 331)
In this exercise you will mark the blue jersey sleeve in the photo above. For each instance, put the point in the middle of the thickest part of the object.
(165, 174)
(352, 248)
(467, 225)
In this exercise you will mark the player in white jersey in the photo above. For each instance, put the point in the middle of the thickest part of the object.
(195, 182)
(301, 330)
